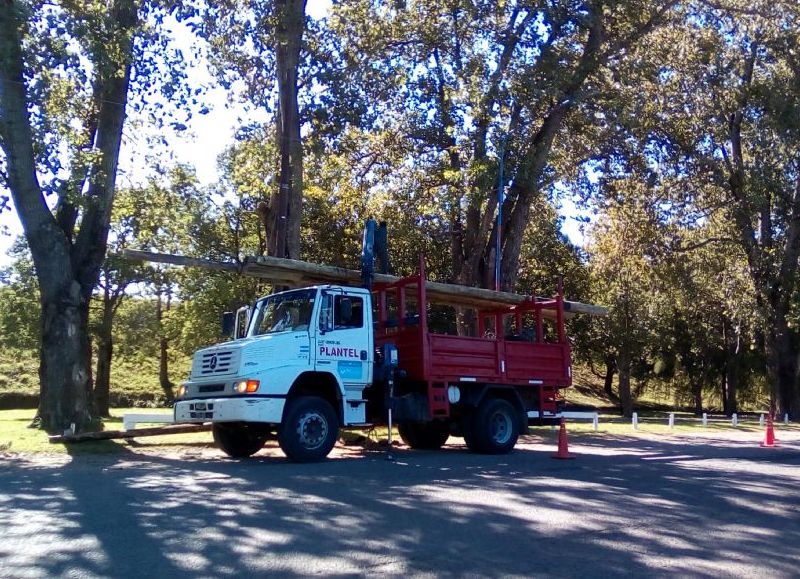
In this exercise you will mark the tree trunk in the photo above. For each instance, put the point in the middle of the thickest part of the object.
(163, 352)
(287, 203)
(64, 367)
(163, 371)
(697, 394)
(625, 398)
(730, 381)
(781, 362)
(102, 389)
(608, 381)
(105, 350)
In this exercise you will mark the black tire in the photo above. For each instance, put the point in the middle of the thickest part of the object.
(239, 439)
(424, 435)
(309, 429)
(494, 427)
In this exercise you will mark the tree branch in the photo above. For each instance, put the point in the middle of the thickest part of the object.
(40, 227)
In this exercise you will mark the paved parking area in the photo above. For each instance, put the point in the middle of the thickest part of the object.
(691, 506)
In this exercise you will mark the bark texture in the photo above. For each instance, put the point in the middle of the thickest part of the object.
(286, 204)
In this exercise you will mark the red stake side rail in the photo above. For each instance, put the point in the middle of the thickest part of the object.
(523, 346)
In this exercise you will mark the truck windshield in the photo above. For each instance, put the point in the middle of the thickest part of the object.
(284, 312)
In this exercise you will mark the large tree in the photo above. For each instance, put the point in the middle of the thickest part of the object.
(261, 43)
(68, 244)
(65, 74)
(715, 105)
(479, 85)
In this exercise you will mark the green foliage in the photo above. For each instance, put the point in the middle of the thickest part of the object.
(677, 124)
(19, 302)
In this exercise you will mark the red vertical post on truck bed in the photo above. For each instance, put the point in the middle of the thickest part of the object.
(423, 316)
(560, 311)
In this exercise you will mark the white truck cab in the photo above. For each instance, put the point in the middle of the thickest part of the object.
(300, 368)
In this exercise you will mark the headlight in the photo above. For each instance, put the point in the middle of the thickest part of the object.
(182, 391)
(246, 386)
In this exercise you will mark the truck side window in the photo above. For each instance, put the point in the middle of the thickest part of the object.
(348, 312)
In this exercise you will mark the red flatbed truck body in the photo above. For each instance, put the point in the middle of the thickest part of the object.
(535, 365)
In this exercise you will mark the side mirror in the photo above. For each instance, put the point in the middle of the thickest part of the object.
(228, 323)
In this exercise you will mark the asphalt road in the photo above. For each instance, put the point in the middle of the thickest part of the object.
(626, 506)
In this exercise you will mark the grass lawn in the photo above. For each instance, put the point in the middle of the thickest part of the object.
(17, 439)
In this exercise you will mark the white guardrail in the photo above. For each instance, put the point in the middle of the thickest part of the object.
(734, 420)
(593, 416)
(129, 421)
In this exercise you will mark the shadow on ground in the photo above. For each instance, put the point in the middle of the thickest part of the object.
(625, 506)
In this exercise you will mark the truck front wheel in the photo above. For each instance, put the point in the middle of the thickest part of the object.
(424, 435)
(309, 429)
(494, 427)
(239, 440)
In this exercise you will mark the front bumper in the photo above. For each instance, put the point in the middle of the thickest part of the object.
(246, 409)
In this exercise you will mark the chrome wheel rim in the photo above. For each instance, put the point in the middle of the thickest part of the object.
(312, 430)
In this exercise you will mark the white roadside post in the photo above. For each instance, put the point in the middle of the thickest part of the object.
(705, 419)
(734, 420)
(596, 421)
(761, 419)
(786, 418)
(635, 420)
(671, 420)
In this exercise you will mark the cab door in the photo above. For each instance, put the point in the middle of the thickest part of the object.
(343, 340)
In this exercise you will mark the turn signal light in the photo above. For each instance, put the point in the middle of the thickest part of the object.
(182, 391)
(246, 386)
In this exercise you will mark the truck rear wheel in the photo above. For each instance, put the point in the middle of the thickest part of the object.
(239, 439)
(424, 435)
(309, 429)
(493, 428)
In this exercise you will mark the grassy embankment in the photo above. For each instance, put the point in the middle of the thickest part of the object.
(134, 381)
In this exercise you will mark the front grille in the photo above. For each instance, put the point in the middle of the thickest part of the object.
(211, 388)
(216, 363)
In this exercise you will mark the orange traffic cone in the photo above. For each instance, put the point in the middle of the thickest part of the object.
(563, 449)
(769, 439)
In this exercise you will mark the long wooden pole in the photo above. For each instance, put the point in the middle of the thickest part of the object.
(297, 273)
(118, 434)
